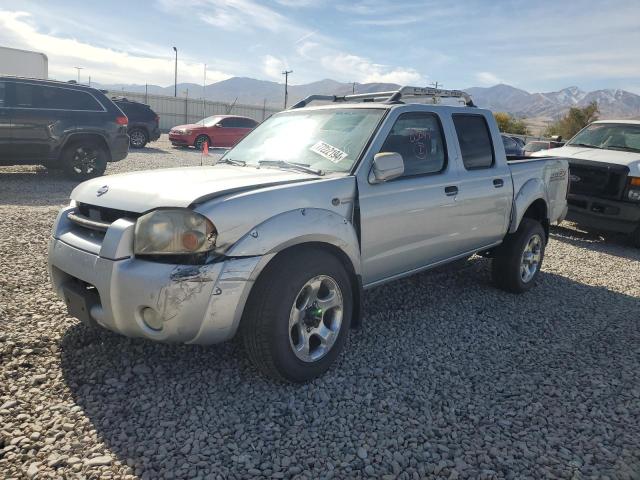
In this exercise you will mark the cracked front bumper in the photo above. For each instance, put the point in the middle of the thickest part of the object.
(196, 304)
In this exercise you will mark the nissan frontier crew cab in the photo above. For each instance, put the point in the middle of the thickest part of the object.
(278, 240)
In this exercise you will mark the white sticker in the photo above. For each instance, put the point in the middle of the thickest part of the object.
(329, 152)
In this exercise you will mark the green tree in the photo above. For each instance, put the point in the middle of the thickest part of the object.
(509, 124)
(574, 121)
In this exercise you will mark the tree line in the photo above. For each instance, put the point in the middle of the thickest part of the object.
(566, 126)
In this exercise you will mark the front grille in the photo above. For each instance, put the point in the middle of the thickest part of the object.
(93, 221)
(598, 179)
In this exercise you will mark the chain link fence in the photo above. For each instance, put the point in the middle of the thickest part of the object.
(182, 110)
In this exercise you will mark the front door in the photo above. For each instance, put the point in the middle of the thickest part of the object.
(405, 222)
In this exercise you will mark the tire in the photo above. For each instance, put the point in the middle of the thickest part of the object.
(270, 328)
(200, 139)
(84, 159)
(138, 138)
(510, 270)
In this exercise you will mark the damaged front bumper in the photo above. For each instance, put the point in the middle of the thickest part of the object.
(104, 283)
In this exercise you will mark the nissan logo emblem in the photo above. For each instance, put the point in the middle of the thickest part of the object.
(102, 190)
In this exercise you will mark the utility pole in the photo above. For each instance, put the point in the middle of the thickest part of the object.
(353, 87)
(186, 106)
(78, 68)
(204, 92)
(264, 108)
(286, 85)
(146, 93)
(175, 80)
(89, 80)
(435, 84)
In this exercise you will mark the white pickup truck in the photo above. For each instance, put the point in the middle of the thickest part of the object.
(604, 164)
(277, 241)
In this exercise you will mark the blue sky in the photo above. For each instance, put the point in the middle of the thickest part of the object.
(534, 45)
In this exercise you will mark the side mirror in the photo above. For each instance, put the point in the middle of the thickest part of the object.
(386, 166)
(218, 125)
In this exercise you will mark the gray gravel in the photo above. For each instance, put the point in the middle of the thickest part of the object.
(449, 378)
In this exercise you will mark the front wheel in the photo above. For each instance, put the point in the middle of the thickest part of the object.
(517, 262)
(298, 315)
(200, 142)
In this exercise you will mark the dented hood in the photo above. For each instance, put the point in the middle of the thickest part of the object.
(178, 187)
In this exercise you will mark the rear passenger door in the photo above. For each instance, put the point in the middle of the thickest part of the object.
(486, 190)
(405, 222)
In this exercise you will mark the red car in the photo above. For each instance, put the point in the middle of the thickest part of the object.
(219, 130)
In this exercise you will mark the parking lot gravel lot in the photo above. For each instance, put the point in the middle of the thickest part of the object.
(448, 378)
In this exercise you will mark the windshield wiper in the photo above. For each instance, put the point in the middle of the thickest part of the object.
(301, 167)
(582, 145)
(621, 149)
(231, 161)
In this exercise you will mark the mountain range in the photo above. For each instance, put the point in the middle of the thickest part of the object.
(548, 105)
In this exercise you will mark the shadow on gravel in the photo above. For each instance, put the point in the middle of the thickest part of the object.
(541, 384)
(605, 242)
(34, 186)
(149, 150)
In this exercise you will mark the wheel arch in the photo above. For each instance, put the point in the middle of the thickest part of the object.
(530, 202)
(75, 138)
(306, 228)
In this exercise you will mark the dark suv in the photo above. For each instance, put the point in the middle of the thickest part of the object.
(60, 125)
(144, 123)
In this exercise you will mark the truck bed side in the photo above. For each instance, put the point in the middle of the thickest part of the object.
(543, 179)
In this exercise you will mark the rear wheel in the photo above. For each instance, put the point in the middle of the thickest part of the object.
(517, 262)
(200, 139)
(298, 316)
(138, 138)
(84, 159)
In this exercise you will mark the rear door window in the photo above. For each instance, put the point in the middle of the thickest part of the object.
(54, 98)
(475, 141)
(230, 123)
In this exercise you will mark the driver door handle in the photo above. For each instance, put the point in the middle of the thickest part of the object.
(498, 182)
(451, 190)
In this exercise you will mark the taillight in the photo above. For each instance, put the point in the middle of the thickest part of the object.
(122, 120)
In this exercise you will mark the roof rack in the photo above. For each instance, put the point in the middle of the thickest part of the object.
(390, 97)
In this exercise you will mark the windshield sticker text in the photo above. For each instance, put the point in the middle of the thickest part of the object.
(329, 152)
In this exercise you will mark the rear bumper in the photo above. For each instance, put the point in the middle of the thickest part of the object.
(197, 304)
(610, 215)
(119, 148)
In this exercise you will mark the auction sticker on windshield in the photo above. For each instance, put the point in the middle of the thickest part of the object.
(329, 152)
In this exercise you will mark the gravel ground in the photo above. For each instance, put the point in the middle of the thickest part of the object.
(449, 378)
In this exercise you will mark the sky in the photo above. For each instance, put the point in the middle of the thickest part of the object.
(543, 45)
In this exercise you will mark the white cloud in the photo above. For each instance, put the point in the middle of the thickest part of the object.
(364, 71)
(272, 66)
(104, 65)
(487, 78)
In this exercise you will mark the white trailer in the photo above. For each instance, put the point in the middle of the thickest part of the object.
(23, 63)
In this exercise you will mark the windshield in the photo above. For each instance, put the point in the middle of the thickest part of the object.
(612, 136)
(210, 121)
(327, 140)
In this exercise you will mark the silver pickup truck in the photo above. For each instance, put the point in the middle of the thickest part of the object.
(278, 240)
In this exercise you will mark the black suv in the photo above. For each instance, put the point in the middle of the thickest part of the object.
(60, 125)
(144, 123)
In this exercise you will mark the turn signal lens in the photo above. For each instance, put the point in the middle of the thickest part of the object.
(634, 181)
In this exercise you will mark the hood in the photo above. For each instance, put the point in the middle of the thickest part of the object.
(178, 187)
(627, 159)
(188, 126)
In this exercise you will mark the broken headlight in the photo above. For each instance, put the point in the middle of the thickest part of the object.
(173, 232)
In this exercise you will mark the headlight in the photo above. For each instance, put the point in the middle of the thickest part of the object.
(173, 232)
(633, 193)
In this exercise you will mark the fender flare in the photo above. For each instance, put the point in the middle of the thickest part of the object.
(532, 190)
(295, 227)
